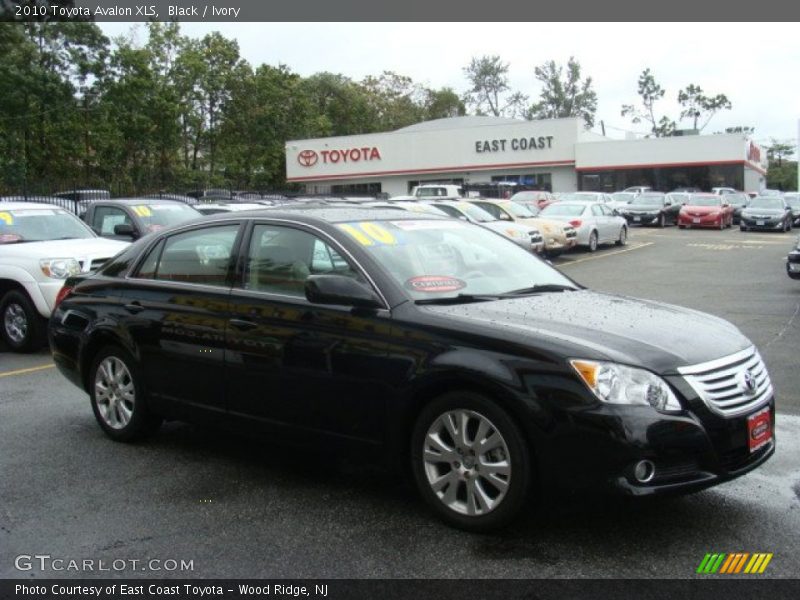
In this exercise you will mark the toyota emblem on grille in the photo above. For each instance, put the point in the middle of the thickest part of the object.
(748, 383)
(307, 158)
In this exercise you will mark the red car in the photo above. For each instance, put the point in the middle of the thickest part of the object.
(706, 210)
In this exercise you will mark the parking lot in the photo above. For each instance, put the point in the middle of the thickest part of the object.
(244, 508)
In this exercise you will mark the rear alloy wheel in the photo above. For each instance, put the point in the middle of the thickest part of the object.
(22, 327)
(470, 461)
(623, 236)
(118, 398)
(593, 242)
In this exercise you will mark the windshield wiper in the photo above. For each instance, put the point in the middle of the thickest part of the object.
(539, 288)
(460, 299)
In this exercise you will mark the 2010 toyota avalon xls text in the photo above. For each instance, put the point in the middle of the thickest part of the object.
(492, 375)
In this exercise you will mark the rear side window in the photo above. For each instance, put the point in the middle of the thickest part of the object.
(201, 256)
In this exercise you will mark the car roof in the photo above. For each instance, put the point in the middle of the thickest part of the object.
(328, 214)
(11, 205)
(140, 200)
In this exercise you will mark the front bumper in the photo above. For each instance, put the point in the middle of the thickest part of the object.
(690, 220)
(772, 224)
(642, 218)
(598, 449)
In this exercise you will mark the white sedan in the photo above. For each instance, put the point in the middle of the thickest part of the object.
(595, 222)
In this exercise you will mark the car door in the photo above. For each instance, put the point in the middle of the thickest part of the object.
(296, 366)
(613, 223)
(178, 309)
(595, 213)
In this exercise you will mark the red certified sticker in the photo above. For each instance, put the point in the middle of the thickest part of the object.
(435, 284)
(759, 429)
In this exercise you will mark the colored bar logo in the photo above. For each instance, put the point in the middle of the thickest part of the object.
(735, 563)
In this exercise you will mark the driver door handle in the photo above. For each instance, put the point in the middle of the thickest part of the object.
(134, 307)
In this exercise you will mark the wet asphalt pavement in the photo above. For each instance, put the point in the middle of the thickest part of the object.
(239, 508)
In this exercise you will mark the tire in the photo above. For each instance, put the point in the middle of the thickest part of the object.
(593, 242)
(681, 226)
(21, 325)
(461, 494)
(121, 411)
(623, 236)
(721, 223)
(662, 221)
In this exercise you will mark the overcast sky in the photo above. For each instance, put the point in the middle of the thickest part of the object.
(756, 65)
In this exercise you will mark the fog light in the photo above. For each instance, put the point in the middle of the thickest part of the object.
(644, 471)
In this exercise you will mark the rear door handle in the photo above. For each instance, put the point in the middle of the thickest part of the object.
(242, 325)
(134, 307)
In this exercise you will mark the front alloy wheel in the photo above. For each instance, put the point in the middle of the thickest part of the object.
(470, 461)
(22, 328)
(467, 462)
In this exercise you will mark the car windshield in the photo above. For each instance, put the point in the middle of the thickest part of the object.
(581, 197)
(773, 203)
(623, 196)
(157, 216)
(438, 259)
(793, 201)
(40, 224)
(476, 213)
(518, 210)
(562, 209)
(650, 200)
(704, 201)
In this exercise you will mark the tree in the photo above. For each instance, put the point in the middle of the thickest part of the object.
(696, 104)
(489, 89)
(564, 95)
(650, 92)
(777, 151)
(442, 103)
(395, 100)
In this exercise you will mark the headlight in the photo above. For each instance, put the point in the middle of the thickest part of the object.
(618, 384)
(516, 233)
(60, 268)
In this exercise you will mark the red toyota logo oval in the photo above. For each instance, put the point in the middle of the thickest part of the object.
(307, 158)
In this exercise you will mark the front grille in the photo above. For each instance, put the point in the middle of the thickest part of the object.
(721, 383)
(674, 471)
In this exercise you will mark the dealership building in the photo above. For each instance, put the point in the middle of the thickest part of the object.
(554, 154)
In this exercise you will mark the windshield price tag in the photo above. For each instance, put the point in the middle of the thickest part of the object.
(142, 211)
(435, 284)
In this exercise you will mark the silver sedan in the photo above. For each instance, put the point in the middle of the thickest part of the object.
(595, 222)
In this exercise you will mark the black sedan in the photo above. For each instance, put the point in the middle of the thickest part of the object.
(793, 261)
(766, 212)
(492, 376)
(651, 208)
(793, 200)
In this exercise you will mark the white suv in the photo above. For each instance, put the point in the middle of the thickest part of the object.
(40, 246)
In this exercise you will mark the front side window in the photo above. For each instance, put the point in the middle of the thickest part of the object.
(201, 256)
(280, 259)
(105, 218)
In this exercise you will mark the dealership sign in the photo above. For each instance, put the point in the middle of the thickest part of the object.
(521, 143)
(308, 158)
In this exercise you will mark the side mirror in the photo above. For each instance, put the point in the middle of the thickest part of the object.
(341, 290)
(505, 217)
(125, 229)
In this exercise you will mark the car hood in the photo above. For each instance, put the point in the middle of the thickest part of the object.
(701, 210)
(81, 248)
(586, 324)
(772, 212)
(644, 207)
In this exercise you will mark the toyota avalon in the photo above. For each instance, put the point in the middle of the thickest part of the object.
(494, 377)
